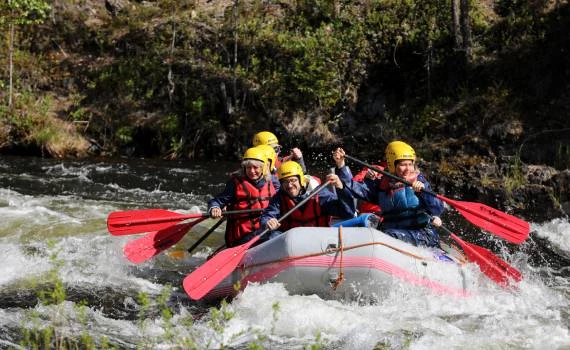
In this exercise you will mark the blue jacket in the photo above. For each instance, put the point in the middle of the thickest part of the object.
(370, 190)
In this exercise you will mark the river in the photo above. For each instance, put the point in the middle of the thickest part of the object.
(62, 272)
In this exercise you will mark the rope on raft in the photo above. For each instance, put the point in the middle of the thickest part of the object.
(340, 277)
(341, 249)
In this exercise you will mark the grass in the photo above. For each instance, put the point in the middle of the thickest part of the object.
(52, 324)
(515, 177)
(32, 122)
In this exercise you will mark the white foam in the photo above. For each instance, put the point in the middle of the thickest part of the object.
(530, 318)
(556, 231)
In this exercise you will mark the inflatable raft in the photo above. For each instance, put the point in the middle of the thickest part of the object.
(347, 263)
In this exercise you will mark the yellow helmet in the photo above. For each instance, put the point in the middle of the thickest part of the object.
(255, 153)
(398, 150)
(270, 155)
(265, 138)
(291, 168)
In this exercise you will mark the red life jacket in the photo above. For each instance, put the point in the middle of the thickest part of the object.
(364, 206)
(308, 215)
(247, 197)
(367, 207)
(279, 161)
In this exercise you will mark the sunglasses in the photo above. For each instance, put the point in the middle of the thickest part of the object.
(277, 148)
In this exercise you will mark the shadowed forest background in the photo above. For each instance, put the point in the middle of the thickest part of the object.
(466, 82)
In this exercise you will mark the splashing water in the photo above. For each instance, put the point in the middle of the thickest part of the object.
(54, 220)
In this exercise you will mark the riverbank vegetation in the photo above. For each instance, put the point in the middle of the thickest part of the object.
(197, 78)
(480, 88)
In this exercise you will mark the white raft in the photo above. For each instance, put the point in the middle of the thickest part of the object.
(349, 263)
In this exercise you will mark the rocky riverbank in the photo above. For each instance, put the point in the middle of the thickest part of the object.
(196, 79)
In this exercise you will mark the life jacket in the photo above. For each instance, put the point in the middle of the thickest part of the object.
(247, 196)
(401, 208)
(367, 207)
(279, 160)
(364, 206)
(308, 215)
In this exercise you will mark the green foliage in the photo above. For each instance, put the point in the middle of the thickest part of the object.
(23, 12)
(166, 313)
(144, 303)
(219, 317)
(515, 177)
(46, 335)
(125, 135)
(194, 79)
(170, 124)
(319, 343)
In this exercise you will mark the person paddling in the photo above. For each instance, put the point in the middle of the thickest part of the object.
(250, 188)
(368, 175)
(271, 161)
(407, 213)
(316, 212)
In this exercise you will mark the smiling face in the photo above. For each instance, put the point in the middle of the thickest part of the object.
(254, 170)
(291, 185)
(405, 167)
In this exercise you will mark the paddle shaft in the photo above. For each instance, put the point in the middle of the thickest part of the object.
(176, 217)
(130, 222)
(212, 229)
(298, 205)
(386, 173)
(212, 272)
(508, 227)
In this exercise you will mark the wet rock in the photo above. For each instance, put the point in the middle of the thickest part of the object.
(509, 130)
(539, 192)
(21, 298)
(540, 174)
(540, 203)
(114, 7)
(560, 183)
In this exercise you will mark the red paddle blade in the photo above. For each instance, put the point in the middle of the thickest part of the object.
(120, 223)
(144, 248)
(506, 226)
(212, 272)
(491, 265)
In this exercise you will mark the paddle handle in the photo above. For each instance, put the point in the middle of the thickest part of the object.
(506, 226)
(386, 173)
(169, 216)
(298, 205)
(213, 271)
(212, 229)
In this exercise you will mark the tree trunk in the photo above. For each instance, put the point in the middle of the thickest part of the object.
(11, 65)
(466, 29)
(235, 62)
(457, 42)
(171, 83)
